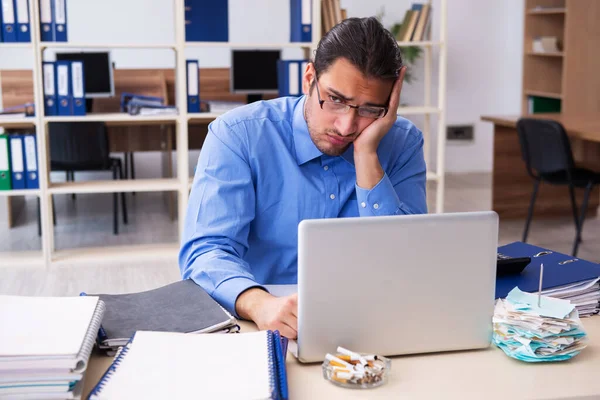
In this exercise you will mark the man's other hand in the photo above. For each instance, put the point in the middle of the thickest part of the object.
(270, 312)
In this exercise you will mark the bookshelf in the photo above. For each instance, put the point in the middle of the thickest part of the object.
(181, 184)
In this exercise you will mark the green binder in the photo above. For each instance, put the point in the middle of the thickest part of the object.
(539, 104)
(4, 164)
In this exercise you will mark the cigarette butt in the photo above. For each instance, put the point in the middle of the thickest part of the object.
(336, 364)
(335, 378)
(344, 375)
(344, 357)
(341, 369)
(333, 360)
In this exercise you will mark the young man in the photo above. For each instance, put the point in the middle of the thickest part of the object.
(338, 151)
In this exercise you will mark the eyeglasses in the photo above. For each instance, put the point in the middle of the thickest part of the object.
(339, 107)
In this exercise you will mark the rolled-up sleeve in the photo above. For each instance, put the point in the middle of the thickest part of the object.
(220, 210)
(403, 190)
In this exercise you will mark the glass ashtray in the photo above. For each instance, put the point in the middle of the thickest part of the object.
(371, 376)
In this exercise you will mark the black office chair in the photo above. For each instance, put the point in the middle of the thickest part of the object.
(83, 146)
(547, 154)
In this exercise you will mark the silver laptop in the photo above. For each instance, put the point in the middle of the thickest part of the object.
(396, 285)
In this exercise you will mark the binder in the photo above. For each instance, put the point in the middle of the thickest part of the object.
(289, 77)
(63, 88)
(206, 20)
(5, 176)
(22, 14)
(301, 20)
(78, 85)
(17, 165)
(9, 33)
(49, 76)
(31, 162)
(193, 95)
(559, 269)
(258, 370)
(46, 21)
(59, 10)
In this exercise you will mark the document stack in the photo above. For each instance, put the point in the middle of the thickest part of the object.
(135, 104)
(537, 329)
(182, 307)
(585, 296)
(45, 344)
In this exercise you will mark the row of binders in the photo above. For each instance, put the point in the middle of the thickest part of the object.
(15, 21)
(64, 88)
(416, 25)
(18, 162)
(289, 76)
(208, 20)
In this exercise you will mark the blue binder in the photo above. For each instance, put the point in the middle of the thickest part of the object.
(193, 91)
(17, 162)
(78, 87)
(50, 99)
(59, 14)
(1, 27)
(22, 15)
(206, 20)
(31, 161)
(289, 77)
(8, 23)
(559, 269)
(64, 91)
(300, 20)
(46, 21)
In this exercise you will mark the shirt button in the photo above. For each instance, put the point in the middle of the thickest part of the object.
(332, 196)
(326, 167)
(376, 206)
(363, 204)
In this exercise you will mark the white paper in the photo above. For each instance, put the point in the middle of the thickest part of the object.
(49, 79)
(192, 79)
(8, 12)
(77, 76)
(60, 12)
(16, 159)
(294, 78)
(30, 156)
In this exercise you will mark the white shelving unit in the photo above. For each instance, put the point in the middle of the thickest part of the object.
(182, 183)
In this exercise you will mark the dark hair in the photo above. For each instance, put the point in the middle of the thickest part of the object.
(364, 42)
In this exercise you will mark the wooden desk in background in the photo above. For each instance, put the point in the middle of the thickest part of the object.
(476, 374)
(512, 186)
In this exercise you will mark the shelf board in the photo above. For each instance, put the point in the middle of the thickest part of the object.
(116, 186)
(68, 45)
(17, 123)
(112, 117)
(112, 254)
(547, 11)
(205, 116)
(418, 110)
(250, 45)
(432, 176)
(29, 258)
(19, 192)
(543, 94)
(425, 43)
(553, 54)
(20, 45)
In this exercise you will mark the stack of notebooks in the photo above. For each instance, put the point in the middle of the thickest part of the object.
(45, 344)
(182, 307)
(166, 365)
(565, 277)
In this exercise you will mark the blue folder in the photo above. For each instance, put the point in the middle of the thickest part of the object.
(59, 16)
(22, 20)
(193, 87)
(559, 269)
(46, 21)
(300, 20)
(289, 77)
(50, 94)
(17, 162)
(206, 21)
(8, 21)
(64, 90)
(31, 161)
(78, 87)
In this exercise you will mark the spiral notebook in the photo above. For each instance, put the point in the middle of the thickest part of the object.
(169, 365)
(48, 333)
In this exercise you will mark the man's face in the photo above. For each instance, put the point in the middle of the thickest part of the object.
(333, 133)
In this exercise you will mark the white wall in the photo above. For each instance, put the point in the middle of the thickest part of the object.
(484, 54)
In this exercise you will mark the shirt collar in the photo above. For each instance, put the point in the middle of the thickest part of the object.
(305, 148)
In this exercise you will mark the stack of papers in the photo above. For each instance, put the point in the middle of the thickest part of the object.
(585, 296)
(45, 344)
(551, 331)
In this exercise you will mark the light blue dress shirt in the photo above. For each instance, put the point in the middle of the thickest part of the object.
(259, 174)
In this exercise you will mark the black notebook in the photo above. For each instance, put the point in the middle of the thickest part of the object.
(179, 307)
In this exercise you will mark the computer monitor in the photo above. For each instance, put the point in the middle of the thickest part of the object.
(254, 72)
(98, 72)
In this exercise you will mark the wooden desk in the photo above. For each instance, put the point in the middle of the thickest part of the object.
(478, 374)
(512, 187)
